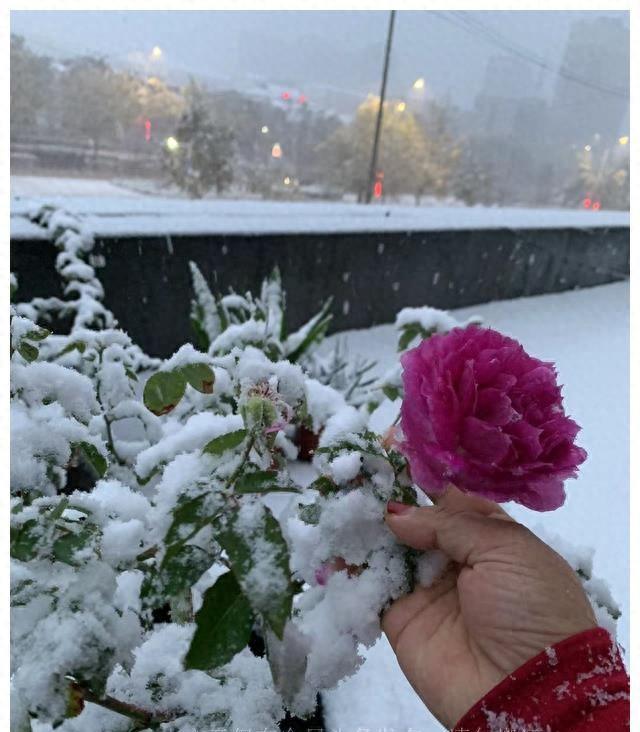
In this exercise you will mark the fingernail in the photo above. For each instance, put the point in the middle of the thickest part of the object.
(398, 509)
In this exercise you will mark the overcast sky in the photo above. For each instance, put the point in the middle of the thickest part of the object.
(342, 49)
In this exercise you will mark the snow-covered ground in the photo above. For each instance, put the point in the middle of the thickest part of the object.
(586, 333)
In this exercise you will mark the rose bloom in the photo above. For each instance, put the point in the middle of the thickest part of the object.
(480, 413)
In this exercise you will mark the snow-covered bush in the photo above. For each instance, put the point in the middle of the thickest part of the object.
(162, 526)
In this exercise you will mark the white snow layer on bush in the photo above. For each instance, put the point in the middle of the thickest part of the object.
(181, 438)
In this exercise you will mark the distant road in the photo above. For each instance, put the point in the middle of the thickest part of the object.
(35, 185)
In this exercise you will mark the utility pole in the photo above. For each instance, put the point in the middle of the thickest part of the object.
(383, 89)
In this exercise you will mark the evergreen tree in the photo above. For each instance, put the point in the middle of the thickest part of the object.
(202, 155)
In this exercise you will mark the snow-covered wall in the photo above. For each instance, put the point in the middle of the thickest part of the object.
(153, 216)
(373, 260)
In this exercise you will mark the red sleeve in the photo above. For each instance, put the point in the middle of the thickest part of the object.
(578, 685)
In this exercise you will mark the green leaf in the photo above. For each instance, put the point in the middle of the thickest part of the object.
(27, 351)
(225, 442)
(186, 518)
(391, 392)
(200, 335)
(75, 346)
(200, 376)
(132, 375)
(182, 566)
(59, 509)
(37, 335)
(223, 625)
(324, 485)
(163, 391)
(95, 458)
(411, 331)
(24, 540)
(66, 546)
(309, 513)
(153, 473)
(317, 327)
(274, 605)
(263, 481)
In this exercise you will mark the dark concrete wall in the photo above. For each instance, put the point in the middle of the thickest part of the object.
(371, 276)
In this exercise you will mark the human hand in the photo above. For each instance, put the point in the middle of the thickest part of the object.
(505, 597)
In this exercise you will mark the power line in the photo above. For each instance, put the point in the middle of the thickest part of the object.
(477, 28)
(528, 55)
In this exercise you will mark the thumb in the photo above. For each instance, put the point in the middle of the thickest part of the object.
(464, 536)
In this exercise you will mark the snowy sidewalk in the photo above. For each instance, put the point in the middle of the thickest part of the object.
(586, 333)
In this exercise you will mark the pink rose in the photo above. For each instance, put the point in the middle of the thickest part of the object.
(480, 413)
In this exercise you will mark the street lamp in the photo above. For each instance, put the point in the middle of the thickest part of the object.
(276, 151)
(418, 84)
(156, 52)
(624, 140)
(587, 148)
(264, 129)
(172, 144)
(401, 106)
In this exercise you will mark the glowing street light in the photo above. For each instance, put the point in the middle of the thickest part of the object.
(401, 106)
(276, 151)
(156, 52)
(264, 129)
(624, 140)
(418, 84)
(287, 181)
(587, 148)
(172, 144)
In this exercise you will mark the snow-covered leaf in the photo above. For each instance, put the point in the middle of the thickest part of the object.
(95, 458)
(225, 442)
(259, 558)
(163, 391)
(200, 376)
(223, 625)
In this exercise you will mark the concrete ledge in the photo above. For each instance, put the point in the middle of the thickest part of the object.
(371, 275)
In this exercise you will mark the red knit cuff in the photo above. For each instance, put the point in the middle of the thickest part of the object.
(578, 685)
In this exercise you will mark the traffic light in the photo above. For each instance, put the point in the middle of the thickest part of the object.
(377, 186)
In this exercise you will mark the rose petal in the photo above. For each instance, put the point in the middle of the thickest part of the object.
(494, 407)
(483, 441)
